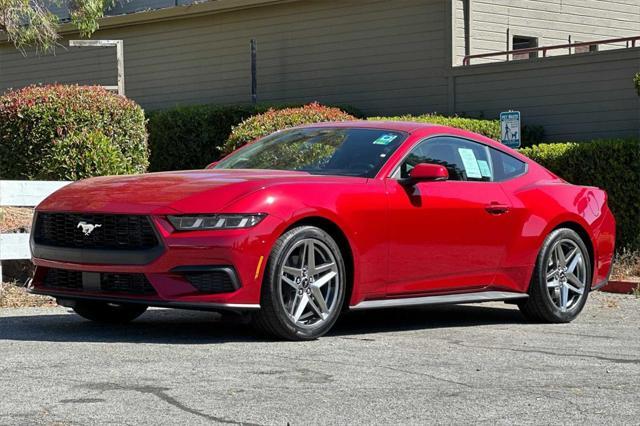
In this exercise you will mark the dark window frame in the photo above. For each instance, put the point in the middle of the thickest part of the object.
(531, 42)
(395, 172)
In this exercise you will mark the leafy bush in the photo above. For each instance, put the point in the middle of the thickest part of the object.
(532, 134)
(488, 128)
(613, 165)
(70, 132)
(192, 137)
(81, 154)
(273, 120)
(636, 81)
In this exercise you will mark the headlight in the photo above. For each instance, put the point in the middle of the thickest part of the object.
(218, 221)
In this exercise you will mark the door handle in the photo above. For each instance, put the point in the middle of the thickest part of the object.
(496, 208)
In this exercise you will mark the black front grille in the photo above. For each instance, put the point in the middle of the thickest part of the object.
(126, 283)
(211, 281)
(130, 284)
(64, 279)
(109, 232)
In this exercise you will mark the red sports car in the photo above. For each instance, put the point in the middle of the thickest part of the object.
(303, 224)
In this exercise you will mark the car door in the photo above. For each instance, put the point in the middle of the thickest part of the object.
(446, 235)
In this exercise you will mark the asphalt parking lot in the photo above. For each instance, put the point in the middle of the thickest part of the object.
(462, 364)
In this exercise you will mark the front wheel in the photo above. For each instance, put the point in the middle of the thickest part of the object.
(110, 313)
(304, 286)
(561, 279)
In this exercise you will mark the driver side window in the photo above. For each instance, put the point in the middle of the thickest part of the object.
(463, 159)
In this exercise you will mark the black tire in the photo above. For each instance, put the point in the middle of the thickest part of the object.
(540, 306)
(272, 317)
(108, 313)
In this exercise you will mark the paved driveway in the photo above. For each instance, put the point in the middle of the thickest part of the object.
(462, 364)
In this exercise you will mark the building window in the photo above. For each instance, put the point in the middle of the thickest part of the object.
(586, 49)
(522, 42)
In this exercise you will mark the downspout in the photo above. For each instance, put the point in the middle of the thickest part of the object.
(467, 26)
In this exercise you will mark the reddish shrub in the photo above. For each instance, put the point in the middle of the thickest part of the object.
(35, 120)
(273, 120)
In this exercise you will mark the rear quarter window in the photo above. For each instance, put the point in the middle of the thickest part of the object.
(505, 166)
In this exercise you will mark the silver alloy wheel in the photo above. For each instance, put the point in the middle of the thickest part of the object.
(310, 283)
(566, 274)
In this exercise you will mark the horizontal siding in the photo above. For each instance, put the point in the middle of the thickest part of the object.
(459, 25)
(573, 97)
(371, 54)
(85, 65)
(551, 21)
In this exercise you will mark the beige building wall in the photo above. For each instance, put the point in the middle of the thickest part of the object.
(576, 97)
(460, 24)
(493, 23)
(371, 54)
(383, 57)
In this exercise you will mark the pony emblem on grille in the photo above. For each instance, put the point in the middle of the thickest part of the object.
(88, 228)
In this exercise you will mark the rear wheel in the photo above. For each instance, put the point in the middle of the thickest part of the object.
(304, 286)
(561, 279)
(111, 313)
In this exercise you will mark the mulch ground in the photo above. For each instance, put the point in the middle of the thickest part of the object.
(13, 296)
(15, 219)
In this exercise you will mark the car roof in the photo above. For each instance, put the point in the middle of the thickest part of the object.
(420, 129)
(402, 126)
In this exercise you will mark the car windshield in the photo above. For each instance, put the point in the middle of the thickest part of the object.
(319, 150)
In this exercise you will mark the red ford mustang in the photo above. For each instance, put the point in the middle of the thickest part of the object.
(305, 223)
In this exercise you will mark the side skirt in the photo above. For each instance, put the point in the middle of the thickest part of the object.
(482, 296)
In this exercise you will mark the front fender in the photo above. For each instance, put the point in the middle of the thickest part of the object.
(359, 211)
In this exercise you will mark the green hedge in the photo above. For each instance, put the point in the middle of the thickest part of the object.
(531, 134)
(191, 137)
(84, 153)
(488, 128)
(57, 132)
(613, 165)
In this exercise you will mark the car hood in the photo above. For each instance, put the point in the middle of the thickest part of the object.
(178, 192)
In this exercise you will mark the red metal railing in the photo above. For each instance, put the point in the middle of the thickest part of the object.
(631, 42)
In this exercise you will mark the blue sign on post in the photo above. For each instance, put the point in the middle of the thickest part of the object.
(510, 128)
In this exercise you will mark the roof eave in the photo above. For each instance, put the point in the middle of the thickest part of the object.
(176, 12)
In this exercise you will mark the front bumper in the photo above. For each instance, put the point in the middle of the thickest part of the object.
(243, 252)
(68, 299)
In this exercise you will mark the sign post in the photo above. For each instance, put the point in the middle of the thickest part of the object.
(510, 129)
(254, 78)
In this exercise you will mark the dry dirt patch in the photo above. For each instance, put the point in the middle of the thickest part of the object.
(626, 266)
(15, 219)
(14, 296)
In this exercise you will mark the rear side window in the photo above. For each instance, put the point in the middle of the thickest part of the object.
(465, 160)
(505, 166)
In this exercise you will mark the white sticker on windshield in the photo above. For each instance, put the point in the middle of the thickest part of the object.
(484, 168)
(470, 163)
(385, 139)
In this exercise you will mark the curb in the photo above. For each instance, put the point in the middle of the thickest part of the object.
(621, 287)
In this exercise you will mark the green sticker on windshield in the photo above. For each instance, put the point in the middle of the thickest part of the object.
(385, 139)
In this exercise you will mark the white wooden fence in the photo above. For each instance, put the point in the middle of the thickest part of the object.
(21, 193)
